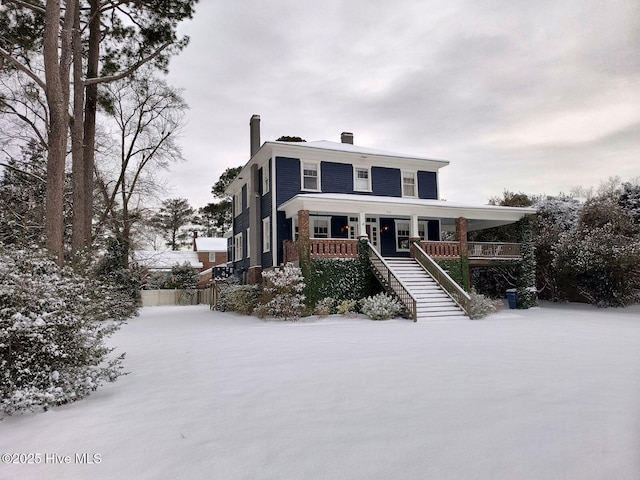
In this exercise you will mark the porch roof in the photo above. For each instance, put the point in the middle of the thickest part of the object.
(478, 216)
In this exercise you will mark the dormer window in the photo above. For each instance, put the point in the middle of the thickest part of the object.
(310, 176)
(361, 180)
(409, 184)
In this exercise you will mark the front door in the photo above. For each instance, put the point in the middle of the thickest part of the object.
(372, 230)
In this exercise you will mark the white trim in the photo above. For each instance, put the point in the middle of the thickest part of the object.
(266, 234)
(355, 179)
(274, 212)
(248, 242)
(212, 260)
(479, 216)
(317, 165)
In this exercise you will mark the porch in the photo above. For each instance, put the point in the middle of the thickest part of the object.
(330, 225)
(479, 253)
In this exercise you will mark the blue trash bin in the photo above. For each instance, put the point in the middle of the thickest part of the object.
(512, 298)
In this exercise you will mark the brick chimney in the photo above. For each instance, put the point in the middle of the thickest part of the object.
(254, 127)
(347, 137)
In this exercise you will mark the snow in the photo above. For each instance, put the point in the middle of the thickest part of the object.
(350, 148)
(211, 244)
(545, 393)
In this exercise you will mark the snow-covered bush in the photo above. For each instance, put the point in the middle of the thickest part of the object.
(53, 323)
(347, 308)
(182, 277)
(325, 307)
(111, 270)
(238, 298)
(380, 307)
(482, 306)
(283, 292)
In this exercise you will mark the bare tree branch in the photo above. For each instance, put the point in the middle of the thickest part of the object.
(24, 172)
(7, 56)
(130, 70)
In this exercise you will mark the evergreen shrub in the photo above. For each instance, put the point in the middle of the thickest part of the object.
(348, 308)
(238, 298)
(482, 306)
(380, 307)
(283, 297)
(53, 325)
(325, 307)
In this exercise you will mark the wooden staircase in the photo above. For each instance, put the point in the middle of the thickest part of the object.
(431, 301)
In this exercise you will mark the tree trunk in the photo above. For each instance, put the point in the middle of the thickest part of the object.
(57, 82)
(91, 101)
(79, 233)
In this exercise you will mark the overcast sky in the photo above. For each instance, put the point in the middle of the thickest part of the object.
(533, 96)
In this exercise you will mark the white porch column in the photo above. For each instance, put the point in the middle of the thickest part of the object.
(413, 227)
(362, 224)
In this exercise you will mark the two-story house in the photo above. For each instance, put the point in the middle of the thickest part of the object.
(335, 192)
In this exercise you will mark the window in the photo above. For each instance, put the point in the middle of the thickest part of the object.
(249, 242)
(408, 184)
(321, 227)
(310, 176)
(402, 235)
(237, 247)
(294, 227)
(212, 257)
(266, 234)
(361, 181)
(266, 180)
(237, 203)
(422, 230)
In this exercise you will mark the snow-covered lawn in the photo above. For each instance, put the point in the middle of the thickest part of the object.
(548, 393)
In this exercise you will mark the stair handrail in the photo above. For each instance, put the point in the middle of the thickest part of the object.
(448, 284)
(404, 295)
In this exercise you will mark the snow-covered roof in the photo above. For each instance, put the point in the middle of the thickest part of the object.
(165, 259)
(479, 216)
(211, 244)
(350, 148)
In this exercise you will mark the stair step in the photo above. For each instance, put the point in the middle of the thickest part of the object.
(432, 302)
(439, 308)
(441, 318)
(436, 303)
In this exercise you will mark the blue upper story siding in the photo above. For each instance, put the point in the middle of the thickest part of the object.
(386, 182)
(287, 179)
(427, 185)
(336, 177)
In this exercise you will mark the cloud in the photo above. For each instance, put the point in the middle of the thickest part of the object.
(507, 91)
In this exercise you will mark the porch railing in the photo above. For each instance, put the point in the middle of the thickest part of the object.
(441, 249)
(454, 290)
(387, 278)
(322, 248)
(333, 248)
(476, 250)
(494, 250)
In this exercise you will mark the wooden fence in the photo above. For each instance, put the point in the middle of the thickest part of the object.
(156, 298)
